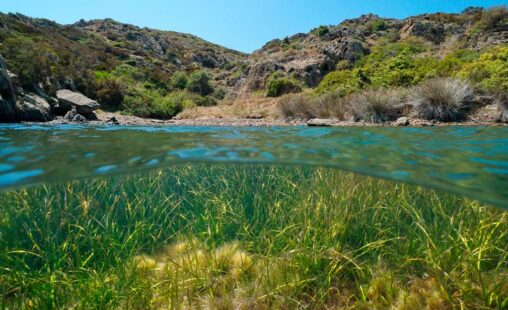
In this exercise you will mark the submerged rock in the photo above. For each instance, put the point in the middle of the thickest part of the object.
(84, 105)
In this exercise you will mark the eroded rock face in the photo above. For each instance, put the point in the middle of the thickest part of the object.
(433, 32)
(345, 50)
(68, 99)
(258, 73)
(7, 96)
(33, 108)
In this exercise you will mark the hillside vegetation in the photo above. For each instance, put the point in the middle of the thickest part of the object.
(153, 73)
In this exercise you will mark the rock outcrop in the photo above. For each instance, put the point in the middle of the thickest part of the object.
(7, 96)
(33, 108)
(430, 31)
(68, 99)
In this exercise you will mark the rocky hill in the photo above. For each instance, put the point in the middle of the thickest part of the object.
(152, 73)
(310, 56)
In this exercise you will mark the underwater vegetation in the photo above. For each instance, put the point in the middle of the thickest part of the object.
(249, 237)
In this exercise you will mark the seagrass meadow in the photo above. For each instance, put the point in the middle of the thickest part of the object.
(197, 236)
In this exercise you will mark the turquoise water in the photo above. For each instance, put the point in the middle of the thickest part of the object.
(469, 161)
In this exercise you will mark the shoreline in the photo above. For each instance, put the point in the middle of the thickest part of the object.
(108, 118)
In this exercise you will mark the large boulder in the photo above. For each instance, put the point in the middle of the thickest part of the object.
(84, 105)
(7, 96)
(34, 108)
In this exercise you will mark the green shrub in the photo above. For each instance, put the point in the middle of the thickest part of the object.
(320, 31)
(32, 62)
(376, 25)
(151, 103)
(199, 83)
(204, 101)
(443, 99)
(219, 93)
(343, 82)
(489, 71)
(455, 61)
(110, 93)
(179, 80)
(278, 85)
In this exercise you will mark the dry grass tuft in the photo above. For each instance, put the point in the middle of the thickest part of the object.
(306, 106)
(376, 106)
(442, 99)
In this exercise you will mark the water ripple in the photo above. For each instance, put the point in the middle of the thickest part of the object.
(469, 161)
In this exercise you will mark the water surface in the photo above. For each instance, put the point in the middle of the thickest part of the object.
(469, 161)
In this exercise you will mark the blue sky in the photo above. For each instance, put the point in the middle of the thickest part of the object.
(244, 25)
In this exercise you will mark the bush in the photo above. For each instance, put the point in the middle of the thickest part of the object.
(31, 62)
(110, 93)
(489, 71)
(443, 99)
(321, 31)
(376, 105)
(376, 25)
(342, 82)
(219, 93)
(297, 106)
(199, 83)
(179, 80)
(307, 107)
(151, 103)
(330, 105)
(278, 85)
(204, 101)
(493, 17)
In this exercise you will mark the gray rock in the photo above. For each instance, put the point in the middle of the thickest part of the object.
(7, 96)
(68, 99)
(113, 121)
(11, 75)
(504, 116)
(71, 114)
(402, 122)
(33, 108)
(503, 112)
(349, 50)
(79, 119)
(322, 122)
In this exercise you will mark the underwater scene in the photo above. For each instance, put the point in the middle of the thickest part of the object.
(253, 218)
